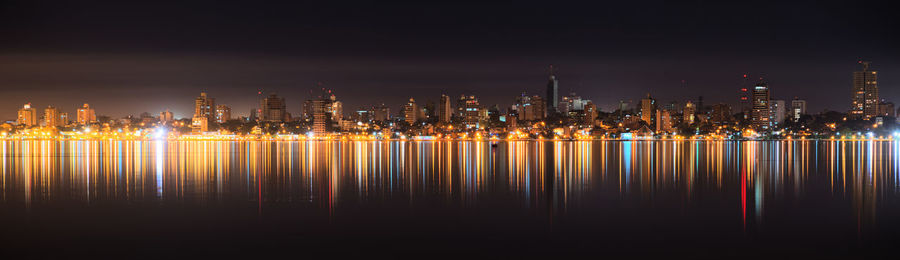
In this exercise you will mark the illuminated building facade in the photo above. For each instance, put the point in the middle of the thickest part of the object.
(319, 115)
(689, 112)
(761, 118)
(664, 121)
(273, 109)
(590, 113)
(51, 117)
(798, 108)
(777, 111)
(410, 112)
(865, 92)
(204, 106)
(648, 107)
(530, 108)
(470, 110)
(223, 113)
(85, 115)
(27, 116)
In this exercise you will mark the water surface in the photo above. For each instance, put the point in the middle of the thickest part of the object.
(435, 198)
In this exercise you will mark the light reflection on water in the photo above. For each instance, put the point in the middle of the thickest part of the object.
(555, 177)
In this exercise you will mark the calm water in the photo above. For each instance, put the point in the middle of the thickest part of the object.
(464, 198)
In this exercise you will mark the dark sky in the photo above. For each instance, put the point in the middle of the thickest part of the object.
(126, 57)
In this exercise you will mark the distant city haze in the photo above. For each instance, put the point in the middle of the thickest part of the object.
(125, 59)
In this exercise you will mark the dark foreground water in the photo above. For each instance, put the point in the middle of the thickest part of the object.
(158, 199)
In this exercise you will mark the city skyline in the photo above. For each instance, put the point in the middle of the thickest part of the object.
(294, 106)
(117, 56)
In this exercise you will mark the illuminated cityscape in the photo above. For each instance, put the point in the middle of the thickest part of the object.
(526, 117)
(381, 129)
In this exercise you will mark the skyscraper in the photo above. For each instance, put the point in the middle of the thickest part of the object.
(337, 109)
(470, 111)
(865, 92)
(530, 108)
(664, 121)
(63, 118)
(798, 108)
(273, 109)
(444, 110)
(688, 112)
(204, 106)
(223, 113)
(51, 117)
(760, 116)
(319, 111)
(27, 116)
(777, 112)
(720, 114)
(648, 107)
(85, 115)
(410, 111)
(572, 105)
(552, 98)
(590, 113)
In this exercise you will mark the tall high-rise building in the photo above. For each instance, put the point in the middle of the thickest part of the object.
(471, 111)
(648, 107)
(760, 111)
(552, 98)
(865, 92)
(798, 108)
(590, 113)
(27, 116)
(205, 106)
(689, 112)
(530, 108)
(319, 115)
(86, 115)
(525, 108)
(572, 105)
(273, 109)
(778, 110)
(540, 108)
(223, 113)
(51, 117)
(720, 113)
(63, 118)
(664, 121)
(337, 109)
(410, 111)
(444, 110)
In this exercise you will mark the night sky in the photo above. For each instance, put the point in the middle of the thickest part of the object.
(125, 57)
